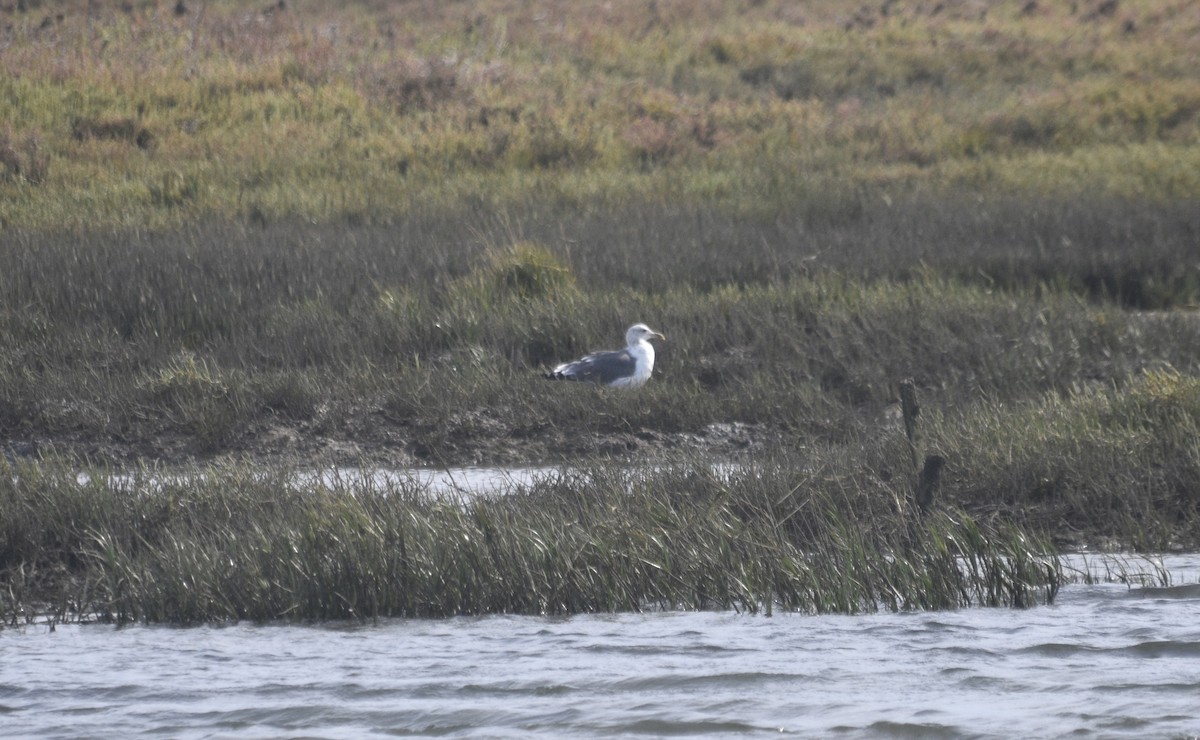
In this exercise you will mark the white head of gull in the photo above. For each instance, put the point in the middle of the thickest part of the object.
(618, 368)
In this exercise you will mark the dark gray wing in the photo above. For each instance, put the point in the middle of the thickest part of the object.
(598, 367)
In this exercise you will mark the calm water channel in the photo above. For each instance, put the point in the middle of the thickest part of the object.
(1103, 661)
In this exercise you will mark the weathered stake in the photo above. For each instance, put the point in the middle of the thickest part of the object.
(930, 476)
(927, 484)
(910, 408)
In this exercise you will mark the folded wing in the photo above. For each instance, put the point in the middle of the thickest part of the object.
(598, 367)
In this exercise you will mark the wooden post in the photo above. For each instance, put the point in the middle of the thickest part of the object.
(910, 408)
(927, 484)
(930, 475)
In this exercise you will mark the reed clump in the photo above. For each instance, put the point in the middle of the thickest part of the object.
(234, 543)
(523, 271)
(26, 161)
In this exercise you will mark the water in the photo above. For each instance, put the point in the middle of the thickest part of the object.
(437, 481)
(1103, 661)
(465, 481)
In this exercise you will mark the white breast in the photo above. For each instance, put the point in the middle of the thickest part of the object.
(643, 355)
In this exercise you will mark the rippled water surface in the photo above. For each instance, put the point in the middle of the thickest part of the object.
(1103, 661)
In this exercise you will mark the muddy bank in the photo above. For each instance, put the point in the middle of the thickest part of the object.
(371, 439)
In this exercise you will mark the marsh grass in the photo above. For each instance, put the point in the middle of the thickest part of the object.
(143, 116)
(234, 543)
(1095, 459)
(829, 527)
(375, 226)
(431, 334)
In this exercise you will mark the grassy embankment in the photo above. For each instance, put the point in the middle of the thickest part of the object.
(226, 231)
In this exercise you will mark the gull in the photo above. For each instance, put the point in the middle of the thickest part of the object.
(618, 368)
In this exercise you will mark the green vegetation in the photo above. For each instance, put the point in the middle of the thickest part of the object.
(263, 241)
(136, 115)
(236, 543)
(423, 348)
